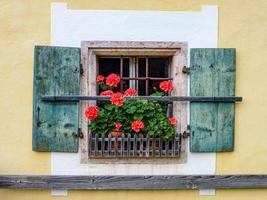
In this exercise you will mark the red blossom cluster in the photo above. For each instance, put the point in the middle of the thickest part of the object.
(130, 92)
(113, 80)
(100, 78)
(137, 125)
(118, 126)
(106, 93)
(117, 99)
(91, 112)
(166, 86)
(172, 121)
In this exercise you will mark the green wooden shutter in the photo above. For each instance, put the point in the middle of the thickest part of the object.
(56, 72)
(212, 73)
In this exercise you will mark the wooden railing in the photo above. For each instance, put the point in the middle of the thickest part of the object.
(130, 146)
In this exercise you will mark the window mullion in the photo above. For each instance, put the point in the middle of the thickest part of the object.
(132, 72)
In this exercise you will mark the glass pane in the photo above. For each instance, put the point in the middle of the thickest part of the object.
(126, 62)
(141, 88)
(158, 67)
(125, 84)
(108, 66)
(153, 86)
(141, 67)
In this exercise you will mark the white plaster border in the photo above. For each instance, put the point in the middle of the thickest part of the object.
(70, 27)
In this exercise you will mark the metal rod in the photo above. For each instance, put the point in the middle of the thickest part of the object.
(146, 78)
(153, 98)
(121, 72)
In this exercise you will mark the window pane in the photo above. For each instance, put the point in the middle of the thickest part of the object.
(126, 62)
(141, 88)
(158, 67)
(108, 66)
(153, 86)
(141, 67)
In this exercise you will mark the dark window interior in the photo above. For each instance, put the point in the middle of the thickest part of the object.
(147, 72)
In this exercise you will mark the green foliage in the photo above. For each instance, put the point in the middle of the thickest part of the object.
(152, 113)
(104, 87)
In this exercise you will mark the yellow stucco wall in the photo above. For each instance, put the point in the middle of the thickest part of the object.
(25, 23)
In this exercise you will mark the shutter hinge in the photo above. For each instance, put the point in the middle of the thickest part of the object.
(79, 134)
(186, 133)
(186, 70)
(81, 69)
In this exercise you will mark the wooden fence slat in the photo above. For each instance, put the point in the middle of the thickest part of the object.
(133, 146)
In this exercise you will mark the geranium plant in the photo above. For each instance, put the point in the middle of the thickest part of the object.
(134, 116)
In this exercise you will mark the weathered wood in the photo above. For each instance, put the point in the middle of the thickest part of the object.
(131, 48)
(133, 182)
(212, 73)
(154, 98)
(55, 124)
(84, 85)
(180, 82)
(133, 44)
(134, 52)
(132, 147)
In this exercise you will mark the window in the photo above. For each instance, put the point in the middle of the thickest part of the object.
(62, 90)
(141, 73)
(141, 65)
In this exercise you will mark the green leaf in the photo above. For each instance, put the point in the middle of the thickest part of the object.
(138, 117)
(109, 107)
(131, 109)
(157, 93)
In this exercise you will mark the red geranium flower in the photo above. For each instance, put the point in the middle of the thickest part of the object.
(117, 125)
(172, 121)
(166, 86)
(137, 125)
(117, 99)
(113, 80)
(91, 112)
(106, 93)
(100, 78)
(130, 92)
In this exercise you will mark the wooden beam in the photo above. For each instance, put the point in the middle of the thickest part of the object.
(133, 182)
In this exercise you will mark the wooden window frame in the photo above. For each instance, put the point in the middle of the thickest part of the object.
(88, 86)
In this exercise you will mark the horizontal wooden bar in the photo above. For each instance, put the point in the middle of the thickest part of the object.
(133, 182)
(152, 98)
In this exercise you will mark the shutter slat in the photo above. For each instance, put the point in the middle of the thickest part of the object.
(56, 72)
(212, 73)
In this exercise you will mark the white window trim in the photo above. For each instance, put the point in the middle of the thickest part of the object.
(70, 27)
